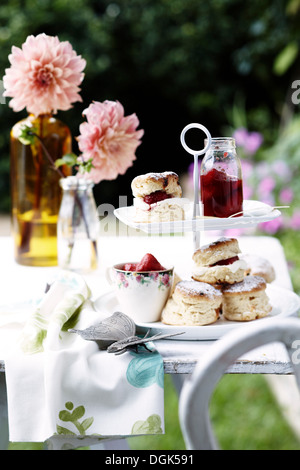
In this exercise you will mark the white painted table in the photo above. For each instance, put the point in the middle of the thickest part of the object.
(23, 283)
(19, 283)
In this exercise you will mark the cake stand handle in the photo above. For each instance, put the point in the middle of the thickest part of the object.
(196, 206)
(196, 154)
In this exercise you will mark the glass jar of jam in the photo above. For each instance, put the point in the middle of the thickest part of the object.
(221, 184)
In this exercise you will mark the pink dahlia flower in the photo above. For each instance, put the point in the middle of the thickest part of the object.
(44, 76)
(109, 139)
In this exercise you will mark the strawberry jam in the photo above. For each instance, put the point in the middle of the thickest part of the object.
(221, 194)
(156, 197)
(226, 262)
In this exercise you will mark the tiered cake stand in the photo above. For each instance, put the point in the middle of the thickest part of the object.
(254, 212)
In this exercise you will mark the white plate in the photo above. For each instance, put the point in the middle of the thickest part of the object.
(285, 303)
(257, 212)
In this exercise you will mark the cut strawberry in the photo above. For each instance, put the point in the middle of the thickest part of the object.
(149, 263)
(129, 267)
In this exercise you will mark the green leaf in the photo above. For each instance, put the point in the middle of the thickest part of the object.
(78, 413)
(286, 58)
(62, 430)
(65, 415)
(26, 134)
(87, 423)
(85, 166)
(69, 159)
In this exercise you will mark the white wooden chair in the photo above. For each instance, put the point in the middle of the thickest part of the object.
(197, 390)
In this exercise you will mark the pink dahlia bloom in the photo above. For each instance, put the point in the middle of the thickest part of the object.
(44, 76)
(109, 138)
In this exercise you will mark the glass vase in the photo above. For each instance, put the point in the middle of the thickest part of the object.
(78, 226)
(35, 189)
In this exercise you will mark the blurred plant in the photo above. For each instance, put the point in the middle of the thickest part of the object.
(249, 141)
(270, 181)
(148, 53)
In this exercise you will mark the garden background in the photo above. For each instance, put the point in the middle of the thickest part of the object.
(232, 65)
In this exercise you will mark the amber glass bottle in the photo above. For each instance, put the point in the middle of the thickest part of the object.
(35, 189)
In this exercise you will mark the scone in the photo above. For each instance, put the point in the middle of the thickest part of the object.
(193, 304)
(259, 266)
(246, 300)
(157, 197)
(219, 262)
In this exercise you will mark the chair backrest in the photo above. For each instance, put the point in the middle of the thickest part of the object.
(197, 390)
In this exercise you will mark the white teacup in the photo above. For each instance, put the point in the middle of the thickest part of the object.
(141, 294)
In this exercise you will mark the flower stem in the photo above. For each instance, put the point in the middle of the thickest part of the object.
(77, 199)
(47, 153)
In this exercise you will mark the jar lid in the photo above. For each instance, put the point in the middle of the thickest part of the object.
(74, 182)
(220, 142)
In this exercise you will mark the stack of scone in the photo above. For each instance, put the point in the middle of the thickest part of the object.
(193, 303)
(158, 197)
(222, 282)
(219, 263)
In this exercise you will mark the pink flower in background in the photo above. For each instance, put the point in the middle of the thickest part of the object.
(44, 76)
(109, 139)
(266, 186)
(286, 195)
(294, 222)
(247, 191)
(234, 232)
(263, 169)
(273, 226)
(247, 171)
(247, 168)
(249, 141)
(282, 169)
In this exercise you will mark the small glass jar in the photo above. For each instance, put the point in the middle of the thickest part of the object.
(221, 183)
(78, 226)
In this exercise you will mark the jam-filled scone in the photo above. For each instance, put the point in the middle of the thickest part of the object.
(193, 304)
(259, 266)
(246, 300)
(219, 262)
(158, 197)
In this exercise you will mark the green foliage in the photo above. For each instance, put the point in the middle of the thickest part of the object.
(286, 58)
(170, 61)
(245, 416)
(290, 241)
(287, 148)
(69, 159)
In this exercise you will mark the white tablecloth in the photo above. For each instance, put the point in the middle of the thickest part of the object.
(179, 356)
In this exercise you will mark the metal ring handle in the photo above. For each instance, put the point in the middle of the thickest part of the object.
(195, 125)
